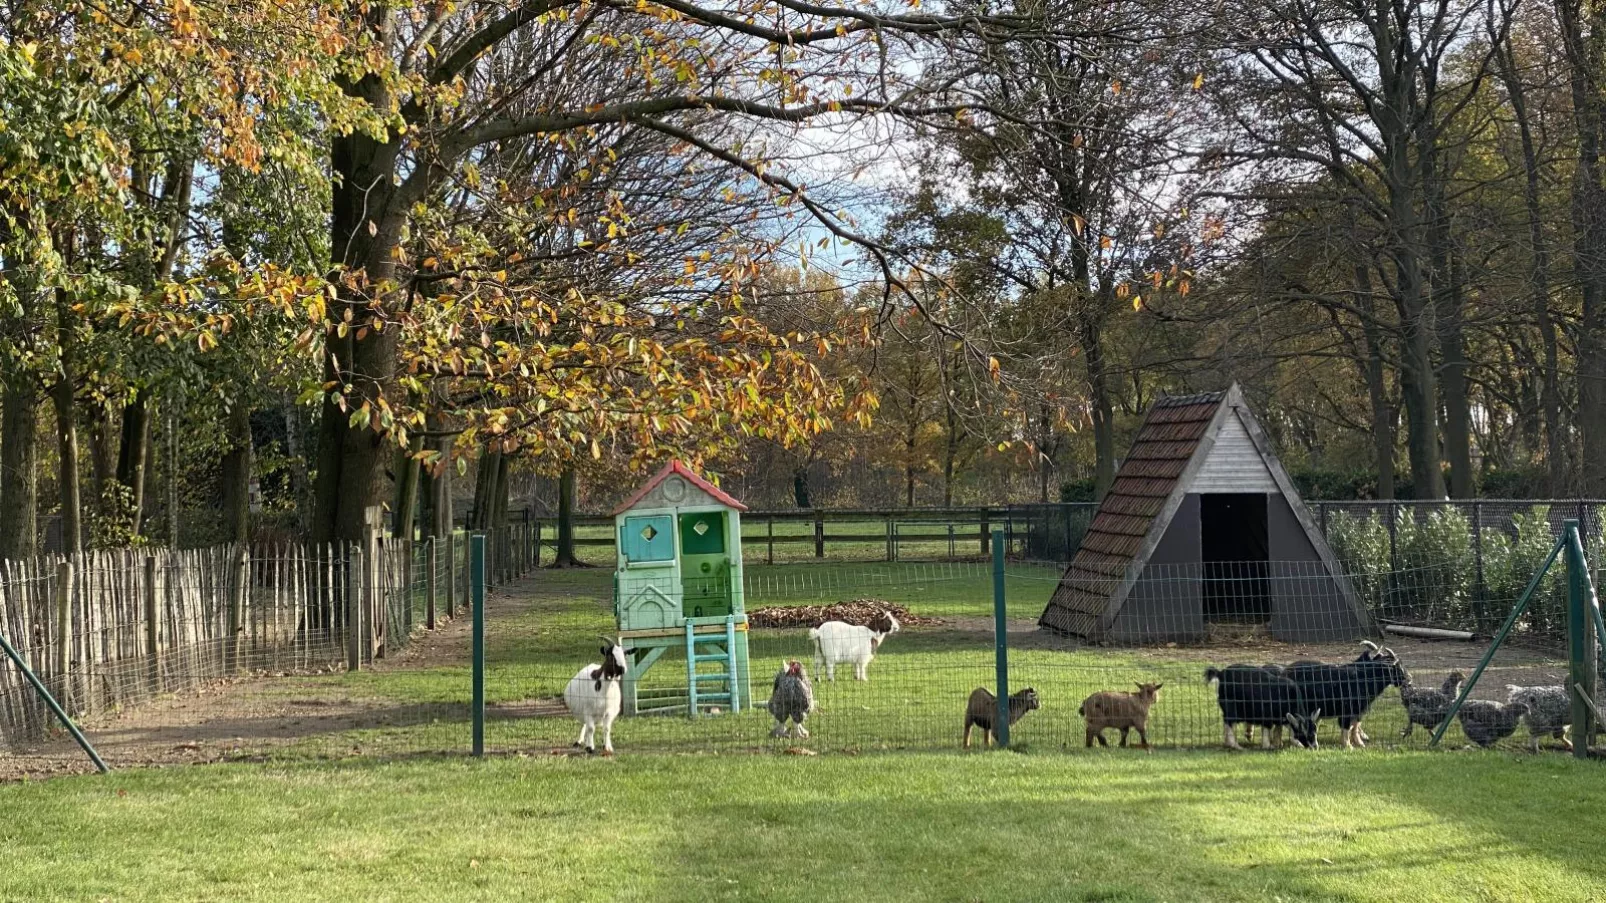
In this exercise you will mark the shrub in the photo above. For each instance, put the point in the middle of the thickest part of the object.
(1437, 570)
(1511, 557)
(1361, 545)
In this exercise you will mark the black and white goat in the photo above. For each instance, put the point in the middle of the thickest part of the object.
(837, 642)
(594, 697)
(1253, 696)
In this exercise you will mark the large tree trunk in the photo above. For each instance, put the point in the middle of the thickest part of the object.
(566, 497)
(171, 504)
(19, 465)
(1583, 42)
(910, 435)
(1372, 372)
(134, 452)
(485, 476)
(408, 475)
(801, 494)
(62, 395)
(1098, 383)
(1447, 299)
(236, 475)
(1539, 276)
(102, 456)
(367, 222)
(295, 444)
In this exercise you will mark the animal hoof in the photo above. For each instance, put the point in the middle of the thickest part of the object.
(607, 754)
(802, 732)
(591, 750)
(778, 732)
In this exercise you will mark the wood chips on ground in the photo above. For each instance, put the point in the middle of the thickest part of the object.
(856, 611)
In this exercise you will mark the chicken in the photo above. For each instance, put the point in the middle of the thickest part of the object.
(1486, 722)
(1550, 711)
(792, 697)
(1427, 706)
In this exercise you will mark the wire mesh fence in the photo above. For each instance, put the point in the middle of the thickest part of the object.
(920, 678)
(279, 686)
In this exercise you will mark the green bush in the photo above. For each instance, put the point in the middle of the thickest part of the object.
(1510, 560)
(1361, 545)
(1437, 570)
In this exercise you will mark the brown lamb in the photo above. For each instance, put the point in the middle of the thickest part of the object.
(1122, 711)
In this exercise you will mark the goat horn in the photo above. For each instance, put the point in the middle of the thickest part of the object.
(611, 641)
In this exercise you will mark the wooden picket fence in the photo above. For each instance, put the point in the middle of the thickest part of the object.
(113, 628)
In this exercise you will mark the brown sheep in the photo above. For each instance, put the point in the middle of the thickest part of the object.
(1123, 711)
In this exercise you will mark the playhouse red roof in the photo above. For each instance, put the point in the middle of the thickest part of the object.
(675, 467)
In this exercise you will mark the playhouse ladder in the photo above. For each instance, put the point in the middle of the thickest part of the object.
(727, 656)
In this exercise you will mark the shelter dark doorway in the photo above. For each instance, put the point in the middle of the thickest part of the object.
(1233, 546)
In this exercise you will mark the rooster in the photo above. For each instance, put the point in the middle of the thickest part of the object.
(791, 698)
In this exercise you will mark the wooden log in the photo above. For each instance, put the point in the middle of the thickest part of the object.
(1428, 633)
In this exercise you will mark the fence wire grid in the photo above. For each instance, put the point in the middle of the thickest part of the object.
(283, 690)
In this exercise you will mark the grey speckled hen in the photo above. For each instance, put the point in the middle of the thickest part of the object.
(1486, 722)
(1428, 706)
(792, 698)
(1549, 712)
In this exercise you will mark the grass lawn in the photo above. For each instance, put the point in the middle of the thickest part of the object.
(1174, 826)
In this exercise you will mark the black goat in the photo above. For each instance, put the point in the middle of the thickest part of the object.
(1253, 696)
(1346, 691)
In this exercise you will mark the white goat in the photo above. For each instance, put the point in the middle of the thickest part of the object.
(594, 697)
(836, 642)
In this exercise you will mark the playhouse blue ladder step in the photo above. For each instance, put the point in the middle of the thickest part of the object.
(727, 656)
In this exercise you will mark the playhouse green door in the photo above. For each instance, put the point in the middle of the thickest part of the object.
(704, 565)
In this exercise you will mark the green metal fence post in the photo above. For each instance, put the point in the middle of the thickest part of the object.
(1581, 661)
(477, 568)
(55, 707)
(1000, 641)
(1511, 619)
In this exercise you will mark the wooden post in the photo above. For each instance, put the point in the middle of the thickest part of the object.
(63, 631)
(984, 533)
(407, 584)
(429, 598)
(769, 535)
(377, 621)
(892, 541)
(236, 626)
(354, 608)
(819, 534)
(153, 649)
(468, 577)
(451, 573)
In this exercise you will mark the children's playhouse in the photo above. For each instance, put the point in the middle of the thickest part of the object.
(678, 585)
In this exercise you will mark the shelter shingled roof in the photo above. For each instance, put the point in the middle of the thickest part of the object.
(1164, 444)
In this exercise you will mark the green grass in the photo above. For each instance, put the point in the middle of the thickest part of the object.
(1173, 826)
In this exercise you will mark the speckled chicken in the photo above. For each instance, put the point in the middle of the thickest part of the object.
(1486, 723)
(1550, 711)
(792, 698)
(1428, 706)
